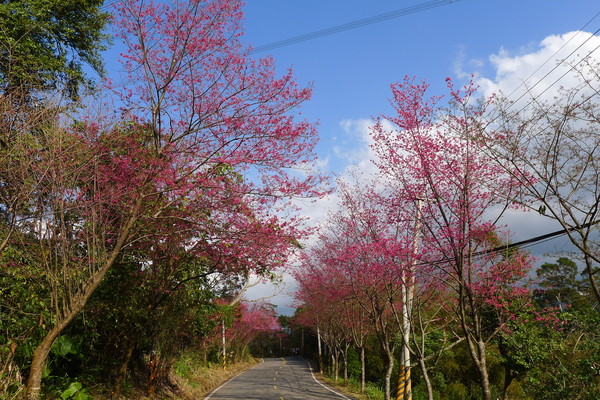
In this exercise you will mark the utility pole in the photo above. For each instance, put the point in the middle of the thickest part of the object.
(224, 344)
(319, 347)
(404, 391)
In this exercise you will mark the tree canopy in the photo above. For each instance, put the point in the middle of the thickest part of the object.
(44, 44)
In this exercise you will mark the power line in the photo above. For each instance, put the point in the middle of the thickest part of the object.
(536, 239)
(558, 64)
(352, 25)
(522, 243)
(555, 53)
(562, 76)
(108, 6)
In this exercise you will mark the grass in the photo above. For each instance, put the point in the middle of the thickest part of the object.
(191, 380)
(372, 392)
(196, 381)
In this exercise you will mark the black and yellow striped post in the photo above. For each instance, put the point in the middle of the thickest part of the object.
(404, 391)
(224, 349)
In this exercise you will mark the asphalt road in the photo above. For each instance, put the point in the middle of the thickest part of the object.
(287, 378)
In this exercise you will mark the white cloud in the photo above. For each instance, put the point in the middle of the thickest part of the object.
(462, 64)
(543, 70)
(279, 293)
(535, 67)
(354, 148)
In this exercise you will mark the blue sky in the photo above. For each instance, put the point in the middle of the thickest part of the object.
(502, 42)
(351, 71)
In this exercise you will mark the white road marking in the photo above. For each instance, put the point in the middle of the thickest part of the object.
(213, 392)
(331, 390)
(262, 361)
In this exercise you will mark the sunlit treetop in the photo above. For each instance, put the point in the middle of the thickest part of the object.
(44, 44)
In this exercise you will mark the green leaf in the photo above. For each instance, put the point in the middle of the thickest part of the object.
(73, 388)
(63, 346)
(82, 395)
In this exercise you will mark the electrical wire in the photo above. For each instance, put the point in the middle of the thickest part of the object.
(554, 54)
(522, 244)
(561, 77)
(106, 7)
(352, 25)
(537, 239)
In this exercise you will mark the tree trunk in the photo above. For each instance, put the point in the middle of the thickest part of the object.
(78, 302)
(477, 351)
(483, 372)
(404, 391)
(123, 368)
(388, 374)
(426, 378)
(508, 378)
(319, 347)
(362, 370)
(475, 343)
(345, 355)
(38, 362)
(334, 365)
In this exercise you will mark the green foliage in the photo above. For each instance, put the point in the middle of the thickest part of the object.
(75, 391)
(186, 363)
(62, 367)
(571, 364)
(65, 346)
(456, 391)
(23, 305)
(46, 42)
(553, 354)
(373, 392)
(558, 283)
(353, 363)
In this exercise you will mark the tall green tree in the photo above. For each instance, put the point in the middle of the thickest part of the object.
(558, 282)
(44, 44)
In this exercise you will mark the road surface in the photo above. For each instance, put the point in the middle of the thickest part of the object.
(287, 378)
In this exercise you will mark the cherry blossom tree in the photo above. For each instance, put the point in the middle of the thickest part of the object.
(253, 320)
(320, 296)
(207, 147)
(434, 154)
(363, 254)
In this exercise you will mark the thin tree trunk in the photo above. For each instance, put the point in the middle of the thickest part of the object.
(40, 355)
(475, 344)
(404, 391)
(345, 355)
(334, 365)
(508, 378)
(483, 372)
(319, 347)
(123, 368)
(426, 378)
(38, 362)
(388, 374)
(362, 370)
(477, 351)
